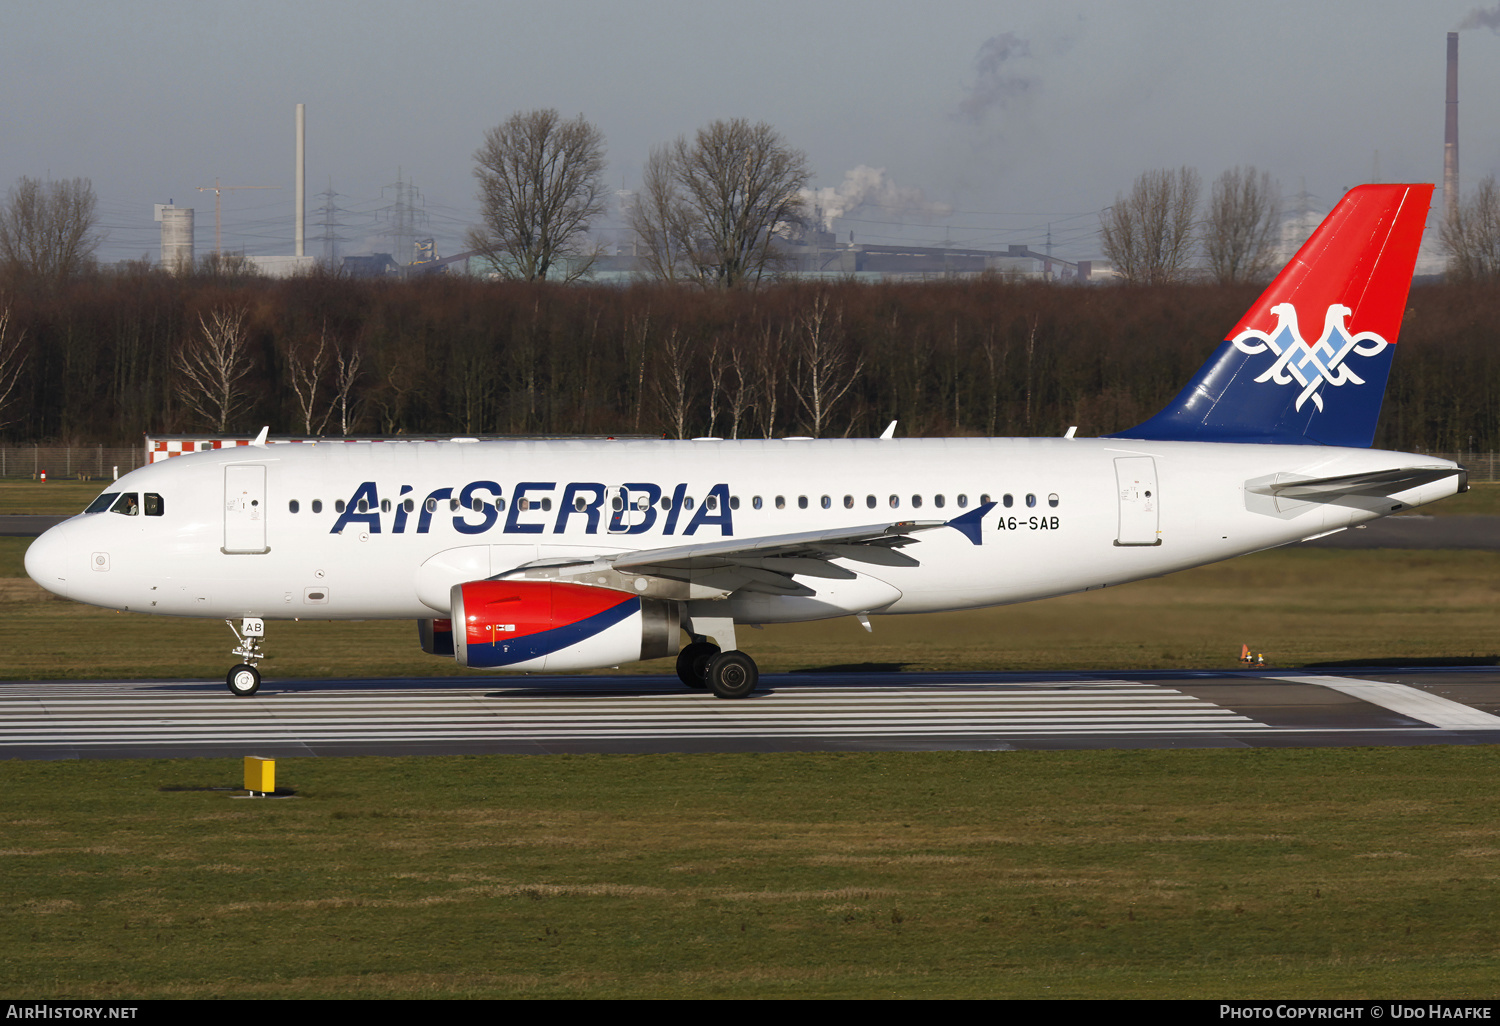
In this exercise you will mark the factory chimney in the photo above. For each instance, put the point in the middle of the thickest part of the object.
(301, 230)
(1450, 132)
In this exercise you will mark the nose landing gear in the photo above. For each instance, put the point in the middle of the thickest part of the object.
(244, 679)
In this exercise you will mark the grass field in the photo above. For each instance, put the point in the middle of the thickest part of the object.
(1208, 874)
(1296, 606)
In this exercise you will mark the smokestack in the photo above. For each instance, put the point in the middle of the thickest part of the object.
(1450, 132)
(301, 218)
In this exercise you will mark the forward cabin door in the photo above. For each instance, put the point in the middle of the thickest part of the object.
(1140, 506)
(245, 510)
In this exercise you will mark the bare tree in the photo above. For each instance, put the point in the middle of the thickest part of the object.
(714, 206)
(662, 219)
(674, 382)
(50, 229)
(1148, 235)
(1240, 233)
(824, 369)
(540, 184)
(12, 362)
(213, 366)
(346, 361)
(1471, 234)
(306, 365)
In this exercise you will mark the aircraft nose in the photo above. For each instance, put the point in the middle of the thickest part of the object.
(47, 561)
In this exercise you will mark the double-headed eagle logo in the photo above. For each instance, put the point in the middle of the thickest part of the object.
(1310, 366)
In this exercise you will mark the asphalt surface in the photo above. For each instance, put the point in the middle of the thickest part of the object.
(857, 711)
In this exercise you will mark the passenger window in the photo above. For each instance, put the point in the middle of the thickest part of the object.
(781, 502)
(385, 505)
(546, 503)
(317, 505)
(870, 501)
(666, 502)
(155, 507)
(1030, 500)
(916, 502)
(826, 502)
(963, 501)
(128, 504)
(453, 505)
(430, 505)
(937, 500)
(687, 502)
(520, 503)
(984, 500)
(755, 502)
(293, 506)
(895, 502)
(409, 505)
(712, 502)
(801, 502)
(364, 505)
(1007, 501)
(734, 502)
(338, 505)
(102, 503)
(1052, 500)
(848, 502)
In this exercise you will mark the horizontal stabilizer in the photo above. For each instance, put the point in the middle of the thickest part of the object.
(1381, 482)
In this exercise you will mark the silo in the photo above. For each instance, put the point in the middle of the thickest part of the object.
(176, 238)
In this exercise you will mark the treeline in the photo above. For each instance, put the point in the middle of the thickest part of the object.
(99, 358)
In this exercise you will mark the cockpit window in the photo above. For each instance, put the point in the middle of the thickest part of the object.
(102, 503)
(129, 504)
(154, 505)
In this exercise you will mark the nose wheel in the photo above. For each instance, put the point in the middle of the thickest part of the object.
(244, 680)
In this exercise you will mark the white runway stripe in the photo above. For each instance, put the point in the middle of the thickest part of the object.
(1408, 701)
(134, 713)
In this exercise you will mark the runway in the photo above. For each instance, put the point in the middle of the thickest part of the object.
(876, 711)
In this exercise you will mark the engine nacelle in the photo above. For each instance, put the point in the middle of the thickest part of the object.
(552, 626)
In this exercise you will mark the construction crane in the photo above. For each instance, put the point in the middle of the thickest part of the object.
(217, 189)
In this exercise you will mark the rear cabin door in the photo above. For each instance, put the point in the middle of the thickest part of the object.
(245, 509)
(1140, 506)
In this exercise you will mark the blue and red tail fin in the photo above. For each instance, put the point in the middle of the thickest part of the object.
(1308, 364)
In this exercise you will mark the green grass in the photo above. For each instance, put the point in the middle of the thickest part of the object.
(1222, 873)
(1296, 606)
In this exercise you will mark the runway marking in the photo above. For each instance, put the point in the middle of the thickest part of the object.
(1406, 700)
(132, 713)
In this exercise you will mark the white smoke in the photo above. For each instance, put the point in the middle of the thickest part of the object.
(871, 187)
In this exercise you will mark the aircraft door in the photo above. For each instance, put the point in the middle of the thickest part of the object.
(623, 509)
(1140, 506)
(245, 509)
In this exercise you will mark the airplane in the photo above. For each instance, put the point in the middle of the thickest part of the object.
(568, 554)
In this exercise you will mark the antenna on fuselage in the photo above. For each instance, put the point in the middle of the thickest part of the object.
(890, 430)
(260, 439)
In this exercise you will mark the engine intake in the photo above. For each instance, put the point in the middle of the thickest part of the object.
(550, 626)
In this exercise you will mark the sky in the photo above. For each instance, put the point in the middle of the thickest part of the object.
(979, 124)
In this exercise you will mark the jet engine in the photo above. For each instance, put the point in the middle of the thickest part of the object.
(550, 626)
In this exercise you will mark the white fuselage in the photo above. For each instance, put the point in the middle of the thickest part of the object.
(1070, 515)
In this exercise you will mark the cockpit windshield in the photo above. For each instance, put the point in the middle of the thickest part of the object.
(102, 503)
(128, 504)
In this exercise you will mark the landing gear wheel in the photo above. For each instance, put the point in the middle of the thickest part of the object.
(692, 663)
(243, 681)
(732, 675)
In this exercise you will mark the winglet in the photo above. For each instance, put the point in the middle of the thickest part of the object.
(970, 523)
(260, 439)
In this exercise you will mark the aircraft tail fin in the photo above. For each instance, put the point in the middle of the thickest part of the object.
(1308, 363)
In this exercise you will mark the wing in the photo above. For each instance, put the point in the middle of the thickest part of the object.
(715, 569)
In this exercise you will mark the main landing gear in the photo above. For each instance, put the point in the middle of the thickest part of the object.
(726, 674)
(244, 679)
